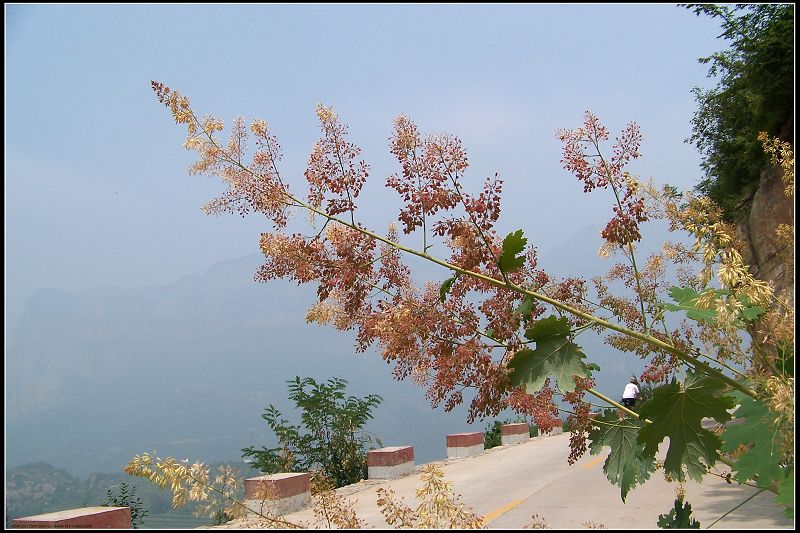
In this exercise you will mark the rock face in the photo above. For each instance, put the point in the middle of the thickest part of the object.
(764, 252)
(770, 208)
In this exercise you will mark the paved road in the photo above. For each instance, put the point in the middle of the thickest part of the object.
(507, 485)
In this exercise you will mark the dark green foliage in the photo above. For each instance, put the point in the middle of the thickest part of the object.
(445, 288)
(330, 438)
(555, 354)
(676, 411)
(678, 518)
(126, 497)
(492, 436)
(687, 298)
(626, 465)
(786, 494)
(513, 244)
(755, 93)
(762, 459)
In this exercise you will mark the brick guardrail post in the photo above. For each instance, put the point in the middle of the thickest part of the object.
(514, 433)
(390, 463)
(84, 518)
(464, 444)
(278, 493)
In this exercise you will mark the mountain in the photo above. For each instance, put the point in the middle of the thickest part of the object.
(37, 488)
(185, 369)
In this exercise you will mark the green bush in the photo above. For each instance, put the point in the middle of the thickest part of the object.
(492, 436)
(334, 441)
(127, 499)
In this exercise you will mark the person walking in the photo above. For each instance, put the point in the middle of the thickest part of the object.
(630, 394)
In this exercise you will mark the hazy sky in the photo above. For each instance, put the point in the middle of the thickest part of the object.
(96, 191)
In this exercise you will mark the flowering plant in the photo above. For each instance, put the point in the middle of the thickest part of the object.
(501, 325)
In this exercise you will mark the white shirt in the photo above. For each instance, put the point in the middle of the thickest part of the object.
(631, 391)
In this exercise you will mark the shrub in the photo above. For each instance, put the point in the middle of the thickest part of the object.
(493, 437)
(334, 441)
(127, 499)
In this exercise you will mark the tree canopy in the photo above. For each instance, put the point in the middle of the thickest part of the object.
(754, 93)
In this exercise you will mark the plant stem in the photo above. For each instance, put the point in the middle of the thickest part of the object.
(615, 404)
(630, 244)
(505, 284)
(724, 460)
(703, 367)
(732, 510)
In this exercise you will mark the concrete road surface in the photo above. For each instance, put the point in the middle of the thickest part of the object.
(507, 485)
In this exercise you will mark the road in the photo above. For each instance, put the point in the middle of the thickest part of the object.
(507, 485)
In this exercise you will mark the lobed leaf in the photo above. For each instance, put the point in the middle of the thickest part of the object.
(676, 411)
(513, 244)
(626, 465)
(762, 460)
(686, 300)
(555, 355)
(678, 518)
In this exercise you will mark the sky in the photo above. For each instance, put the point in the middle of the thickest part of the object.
(96, 189)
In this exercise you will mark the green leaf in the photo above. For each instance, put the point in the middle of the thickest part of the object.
(445, 288)
(513, 244)
(687, 301)
(489, 332)
(763, 458)
(547, 328)
(678, 518)
(593, 367)
(786, 494)
(626, 465)
(750, 312)
(675, 412)
(555, 354)
(526, 307)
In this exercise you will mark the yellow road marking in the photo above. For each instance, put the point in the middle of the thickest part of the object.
(594, 461)
(488, 517)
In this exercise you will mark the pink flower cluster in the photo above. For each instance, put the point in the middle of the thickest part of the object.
(582, 156)
(333, 173)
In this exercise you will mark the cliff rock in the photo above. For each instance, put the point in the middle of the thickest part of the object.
(763, 251)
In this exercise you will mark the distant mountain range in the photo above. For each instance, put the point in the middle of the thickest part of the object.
(94, 377)
(186, 369)
(38, 488)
